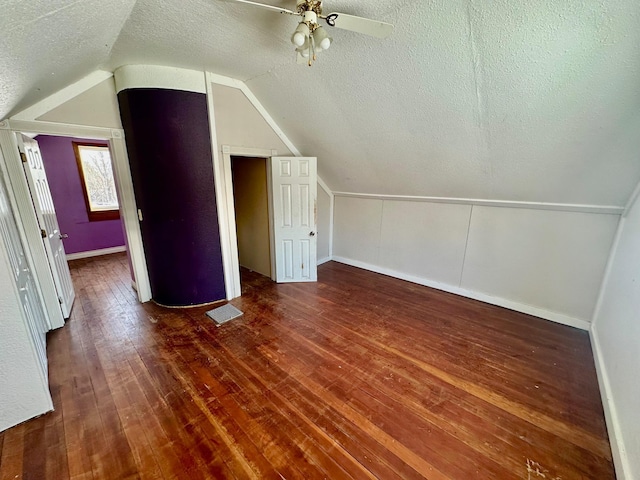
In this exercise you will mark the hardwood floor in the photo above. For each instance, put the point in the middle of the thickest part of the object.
(358, 376)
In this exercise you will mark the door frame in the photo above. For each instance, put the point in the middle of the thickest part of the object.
(27, 217)
(227, 215)
(271, 235)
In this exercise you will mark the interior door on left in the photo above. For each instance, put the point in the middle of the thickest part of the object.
(30, 301)
(48, 221)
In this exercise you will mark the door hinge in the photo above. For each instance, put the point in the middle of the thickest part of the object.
(43, 232)
(60, 300)
(23, 157)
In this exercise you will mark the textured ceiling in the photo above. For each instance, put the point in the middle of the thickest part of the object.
(47, 44)
(535, 100)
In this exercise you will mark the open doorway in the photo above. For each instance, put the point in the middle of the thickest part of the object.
(292, 203)
(69, 188)
(251, 207)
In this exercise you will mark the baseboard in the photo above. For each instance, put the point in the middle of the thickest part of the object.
(96, 253)
(500, 302)
(324, 260)
(618, 451)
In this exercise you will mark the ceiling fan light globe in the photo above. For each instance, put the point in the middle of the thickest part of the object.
(305, 53)
(298, 39)
(321, 39)
(304, 50)
(325, 44)
(300, 35)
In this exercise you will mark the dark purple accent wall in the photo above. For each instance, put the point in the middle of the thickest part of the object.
(169, 147)
(66, 189)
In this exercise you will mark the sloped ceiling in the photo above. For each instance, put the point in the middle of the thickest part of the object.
(47, 44)
(534, 100)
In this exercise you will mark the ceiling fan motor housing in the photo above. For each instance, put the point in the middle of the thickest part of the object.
(310, 18)
(309, 6)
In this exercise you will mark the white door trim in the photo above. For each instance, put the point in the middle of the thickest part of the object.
(59, 129)
(124, 184)
(332, 202)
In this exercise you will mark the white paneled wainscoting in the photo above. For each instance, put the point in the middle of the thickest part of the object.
(546, 260)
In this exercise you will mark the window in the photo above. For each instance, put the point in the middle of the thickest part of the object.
(98, 184)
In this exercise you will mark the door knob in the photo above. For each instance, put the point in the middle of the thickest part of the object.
(63, 236)
(312, 234)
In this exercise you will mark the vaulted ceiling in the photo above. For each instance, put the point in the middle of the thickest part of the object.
(531, 100)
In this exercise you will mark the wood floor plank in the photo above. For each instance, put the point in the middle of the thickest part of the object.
(467, 364)
(358, 376)
(33, 459)
(174, 426)
(403, 429)
(380, 373)
(304, 436)
(261, 425)
(278, 381)
(183, 419)
(13, 447)
(452, 373)
(368, 384)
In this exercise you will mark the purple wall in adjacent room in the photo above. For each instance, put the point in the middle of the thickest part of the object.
(66, 190)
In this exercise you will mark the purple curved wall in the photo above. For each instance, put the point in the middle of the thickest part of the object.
(169, 147)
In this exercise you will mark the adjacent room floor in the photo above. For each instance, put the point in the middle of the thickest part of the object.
(358, 376)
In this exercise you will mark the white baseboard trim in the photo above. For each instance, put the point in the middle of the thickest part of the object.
(618, 450)
(500, 302)
(96, 253)
(324, 260)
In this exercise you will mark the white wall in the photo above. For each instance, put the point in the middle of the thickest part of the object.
(552, 260)
(616, 340)
(96, 107)
(324, 225)
(543, 262)
(239, 124)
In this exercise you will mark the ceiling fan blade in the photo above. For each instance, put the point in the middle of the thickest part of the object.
(264, 5)
(374, 28)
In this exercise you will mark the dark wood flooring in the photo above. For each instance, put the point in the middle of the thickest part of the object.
(358, 376)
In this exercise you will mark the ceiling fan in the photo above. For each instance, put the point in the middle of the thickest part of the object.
(309, 37)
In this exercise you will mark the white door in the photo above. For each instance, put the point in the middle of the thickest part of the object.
(294, 188)
(24, 280)
(46, 214)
